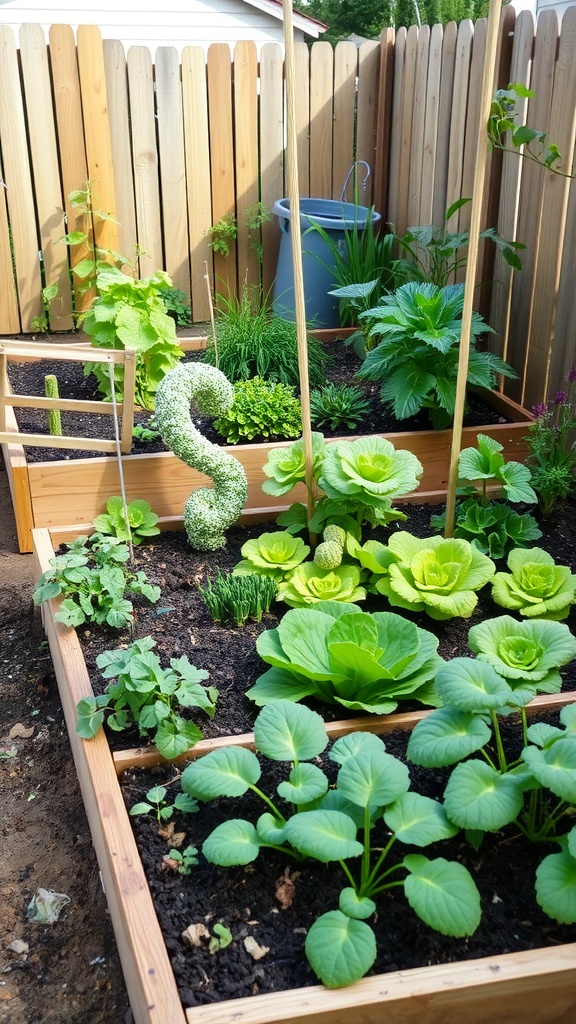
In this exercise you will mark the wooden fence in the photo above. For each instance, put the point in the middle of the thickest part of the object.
(173, 146)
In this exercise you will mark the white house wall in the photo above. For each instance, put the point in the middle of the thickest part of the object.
(179, 23)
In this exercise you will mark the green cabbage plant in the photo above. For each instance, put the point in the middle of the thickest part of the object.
(141, 520)
(535, 586)
(286, 467)
(271, 554)
(435, 575)
(341, 655)
(527, 654)
(306, 819)
(309, 584)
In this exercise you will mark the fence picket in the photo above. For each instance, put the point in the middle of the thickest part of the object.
(119, 114)
(321, 115)
(449, 43)
(172, 167)
(145, 159)
(197, 152)
(222, 159)
(271, 152)
(246, 143)
(19, 187)
(345, 70)
(418, 125)
(302, 114)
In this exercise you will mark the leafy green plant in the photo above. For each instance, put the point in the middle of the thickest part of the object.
(54, 417)
(156, 802)
(285, 467)
(98, 259)
(184, 860)
(147, 432)
(233, 600)
(273, 554)
(261, 408)
(551, 443)
(131, 313)
(151, 696)
(492, 528)
(177, 306)
(435, 575)
(141, 520)
(253, 342)
(93, 580)
(309, 583)
(312, 821)
(435, 255)
(339, 654)
(506, 134)
(535, 792)
(222, 233)
(417, 358)
(535, 586)
(527, 653)
(338, 405)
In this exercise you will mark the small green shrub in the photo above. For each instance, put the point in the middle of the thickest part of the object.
(141, 520)
(252, 342)
(233, 600)
(260, 409)
(338, 405)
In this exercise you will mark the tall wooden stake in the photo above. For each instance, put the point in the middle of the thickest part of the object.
(299, 300)
(469, 284)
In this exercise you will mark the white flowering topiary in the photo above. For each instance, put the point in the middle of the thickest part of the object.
(208, 511)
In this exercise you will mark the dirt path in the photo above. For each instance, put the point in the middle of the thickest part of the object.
(67, 972)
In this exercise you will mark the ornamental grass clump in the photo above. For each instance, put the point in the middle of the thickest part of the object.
(234, 600)
(535, 586)
(336, 406)
(353, 826)
(208, 512)
(339, 654)
(551, 443)
(434, 575)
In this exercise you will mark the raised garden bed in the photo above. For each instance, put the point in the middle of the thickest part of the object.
(64, 493)
(538, 985)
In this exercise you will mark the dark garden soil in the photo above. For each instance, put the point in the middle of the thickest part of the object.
(246, 900)
(28, 379)
(67, 972)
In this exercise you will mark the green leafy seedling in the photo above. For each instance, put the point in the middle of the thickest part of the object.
(156, 802)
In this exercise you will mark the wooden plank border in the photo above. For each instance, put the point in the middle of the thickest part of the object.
(500, 988)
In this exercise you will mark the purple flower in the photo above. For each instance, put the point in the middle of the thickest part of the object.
(571, 375)
(539, 410)
(560, 398)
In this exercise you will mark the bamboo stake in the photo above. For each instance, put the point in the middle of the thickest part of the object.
(299, 300)
(469, 283)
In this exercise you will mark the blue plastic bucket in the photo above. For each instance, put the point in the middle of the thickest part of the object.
(335, 218)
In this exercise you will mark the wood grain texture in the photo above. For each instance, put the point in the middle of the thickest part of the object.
(271, 152)
(395, 154)
(384, 121)
(449, 44)
(302, 114)
(246, 161)
(9, 318)
(72, 155)
(410, 63)
(173, 205)
(197, 151)
(145, 159)
(418, 126)
(46, 172)
(458, 119)
(430, 128)
(120, 140)
(222, 160)
(97, 139)
(345, 71)
(368, 79)
(321, 114)
(18, 181)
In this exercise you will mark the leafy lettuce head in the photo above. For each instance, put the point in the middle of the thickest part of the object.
(535, 586)
(435, 575)
(286, 466)
(369, 470)
(309, 584)
(524, 652)
(271, 554)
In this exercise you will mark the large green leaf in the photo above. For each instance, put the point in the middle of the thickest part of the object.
(284, 731)
(306, 782)
(443, 894)
(478, 797)
(229, 771)
(555, 766)
(354, 743)
(418, 820)
(280, 684)
(324, 835)
(447, 736)
(340, 949)
(233, 842)
(373, 778)
(471, 685)
(556, 886)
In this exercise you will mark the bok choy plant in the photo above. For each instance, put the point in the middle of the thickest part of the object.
(356, 825)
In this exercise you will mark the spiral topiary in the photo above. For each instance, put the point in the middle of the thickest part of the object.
(208, 512)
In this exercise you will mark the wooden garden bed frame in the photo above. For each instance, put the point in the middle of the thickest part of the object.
(537, 986)
(61, 494)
